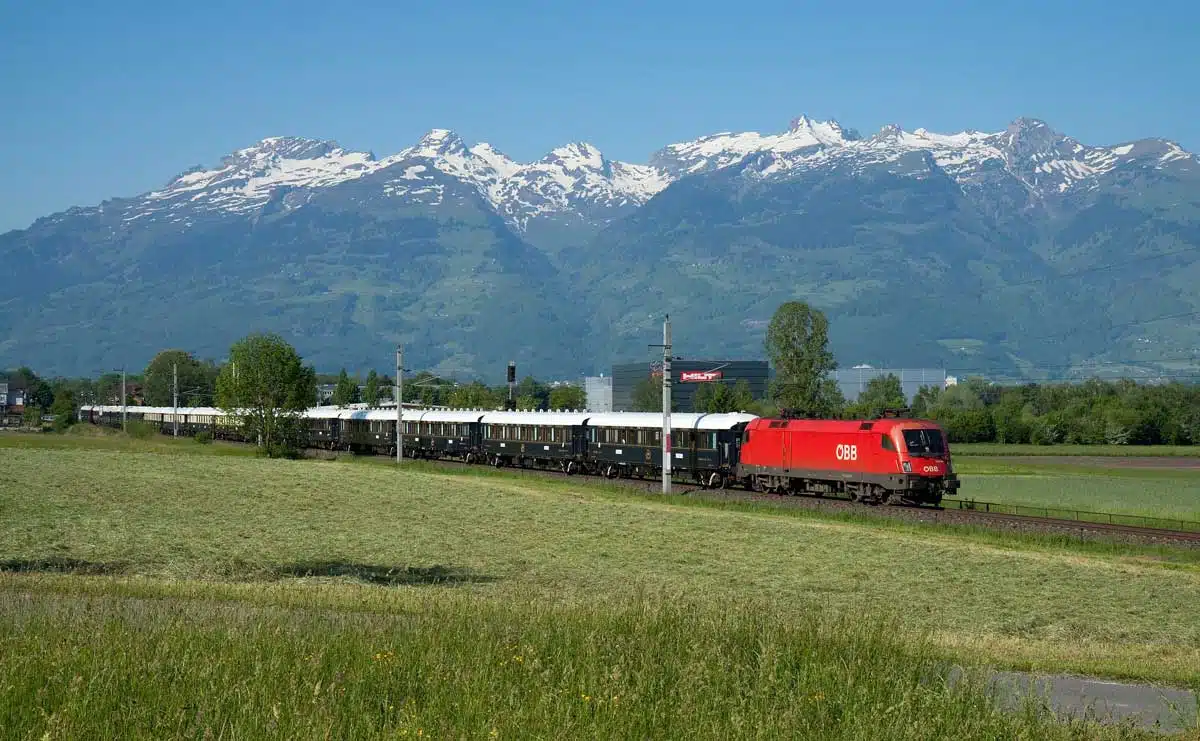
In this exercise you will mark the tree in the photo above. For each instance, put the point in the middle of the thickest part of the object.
(568, 396)
(719, 397)
(882, 392)
(38, 393)
(647, 395)
(63, 409)
(196, 379)
(797, 343)
(108, 388)
(345, 392)
(474, 396)
(539, 392)
(265, 386)
(371, 392)
(925, 400)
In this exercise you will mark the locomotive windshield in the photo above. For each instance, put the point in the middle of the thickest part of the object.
(924, 442)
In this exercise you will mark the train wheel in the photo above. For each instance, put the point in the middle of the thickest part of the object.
(715, 481)
(569, 469)
(610, 472)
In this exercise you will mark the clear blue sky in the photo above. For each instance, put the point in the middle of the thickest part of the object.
(108, 99)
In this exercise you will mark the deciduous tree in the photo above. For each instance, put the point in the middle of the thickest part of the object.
(266, 386)
(797, 344)
(881, 393)
(371, 392)
(346, 391)
(197, 380)
(568, 396)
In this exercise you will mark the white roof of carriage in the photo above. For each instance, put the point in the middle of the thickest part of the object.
(679, 420)
(547, 419)
(371, 415)
(323, 412)
(443, 415)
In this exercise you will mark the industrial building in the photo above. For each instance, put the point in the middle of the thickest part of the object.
(853, 381)
(686, 375)
(599, 390)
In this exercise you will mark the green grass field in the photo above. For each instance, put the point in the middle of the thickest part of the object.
(1125, 451)
(1146, 492)
(160, 588)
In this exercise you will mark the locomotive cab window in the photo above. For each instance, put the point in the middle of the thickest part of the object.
(924, 442)
(887, 443)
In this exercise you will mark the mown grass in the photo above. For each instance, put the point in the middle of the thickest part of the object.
(445, 665)
(100, 438)
(1022, 603)
(1146, 492)
(1126, 451)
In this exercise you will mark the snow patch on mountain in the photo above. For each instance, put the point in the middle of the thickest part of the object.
(716, 151)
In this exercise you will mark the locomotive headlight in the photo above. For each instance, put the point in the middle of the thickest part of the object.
(907, 466)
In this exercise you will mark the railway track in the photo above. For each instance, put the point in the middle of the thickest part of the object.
(1081, 529)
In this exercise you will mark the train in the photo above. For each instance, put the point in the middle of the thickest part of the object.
(892, 459)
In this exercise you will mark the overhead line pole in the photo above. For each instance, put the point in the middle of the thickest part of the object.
(666, 399)
(399, 403)
(124, 403)
(175, 395)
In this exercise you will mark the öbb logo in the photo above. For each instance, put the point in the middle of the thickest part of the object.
(847, 452)
(930, 469)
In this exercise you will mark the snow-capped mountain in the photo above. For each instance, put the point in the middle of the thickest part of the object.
(1043, 160)
(471, 258)
(577, 183)
(575, 180)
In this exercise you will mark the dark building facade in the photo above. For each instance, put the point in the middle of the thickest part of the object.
(687, 376)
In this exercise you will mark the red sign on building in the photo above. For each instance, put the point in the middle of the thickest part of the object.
(699, 376)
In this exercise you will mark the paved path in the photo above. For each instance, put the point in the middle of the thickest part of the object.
(1156, 708)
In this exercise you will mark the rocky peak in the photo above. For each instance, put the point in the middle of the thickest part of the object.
(283, 147)
(439, 142)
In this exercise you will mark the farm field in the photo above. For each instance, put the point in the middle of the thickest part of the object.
(1123, 451)
(234, 590)
(1162, 492)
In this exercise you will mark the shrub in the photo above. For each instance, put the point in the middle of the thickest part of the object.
(141, 430)
(204, 437)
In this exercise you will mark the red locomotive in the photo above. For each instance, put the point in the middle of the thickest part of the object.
(873, 461)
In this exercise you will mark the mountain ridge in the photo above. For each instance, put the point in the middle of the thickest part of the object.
(720, 228)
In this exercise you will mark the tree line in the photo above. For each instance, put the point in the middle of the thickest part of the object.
(1093, 412)
(265, 373)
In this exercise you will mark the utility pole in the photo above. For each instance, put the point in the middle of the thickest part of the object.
(124, 403)
(175, 395)
(399, 403)
(666, 399)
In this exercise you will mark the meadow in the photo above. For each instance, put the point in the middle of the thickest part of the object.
(1160, 492)
(1123, 451)
(161, 588)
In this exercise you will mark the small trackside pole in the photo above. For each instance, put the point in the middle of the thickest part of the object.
(666, 402)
